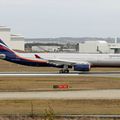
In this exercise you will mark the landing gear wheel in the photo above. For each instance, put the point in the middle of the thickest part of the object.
(64, 71)
(61, 71)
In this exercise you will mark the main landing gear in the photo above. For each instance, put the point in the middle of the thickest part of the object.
(64, 69)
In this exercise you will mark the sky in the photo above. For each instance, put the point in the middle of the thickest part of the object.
(61, 18)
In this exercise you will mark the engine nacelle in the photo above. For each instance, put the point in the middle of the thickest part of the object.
(82, 67)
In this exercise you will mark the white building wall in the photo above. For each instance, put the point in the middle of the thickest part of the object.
(94, 47)
(13, 41)
(17, 42)
(85, 48)
(103, 47)
(5, 35)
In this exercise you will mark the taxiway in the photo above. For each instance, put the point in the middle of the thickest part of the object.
(88, 94)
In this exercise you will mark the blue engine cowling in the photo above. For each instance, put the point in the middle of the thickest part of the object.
(82, 67)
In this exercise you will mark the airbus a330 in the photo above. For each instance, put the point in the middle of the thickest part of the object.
(64, 61)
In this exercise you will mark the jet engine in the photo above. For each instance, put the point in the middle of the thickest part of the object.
(82, 67)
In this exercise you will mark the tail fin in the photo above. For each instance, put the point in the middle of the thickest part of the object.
(5, 51)
(3, 43)
(5, 46)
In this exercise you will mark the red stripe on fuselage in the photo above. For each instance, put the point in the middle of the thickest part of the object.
(5, 48)
(27, 59)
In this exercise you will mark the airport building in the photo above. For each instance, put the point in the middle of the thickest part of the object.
(66, 44)
(114, 47)
(49, 45)
(94, 47)
(16, 42)
(99, 47)
(42, 47)
(59, 45)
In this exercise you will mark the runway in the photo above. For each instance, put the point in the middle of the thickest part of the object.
(91, 94)
(17, 74)
(47, 74)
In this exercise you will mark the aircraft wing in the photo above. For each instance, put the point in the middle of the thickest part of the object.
(65, 62)
(58, 62)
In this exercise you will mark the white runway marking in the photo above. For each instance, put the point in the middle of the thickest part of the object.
(93, 94)
(95, 74)
(34, 74)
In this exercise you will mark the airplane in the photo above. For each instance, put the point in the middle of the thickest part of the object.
(64, 61)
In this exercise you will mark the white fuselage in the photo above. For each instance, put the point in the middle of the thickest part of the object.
(105, 60)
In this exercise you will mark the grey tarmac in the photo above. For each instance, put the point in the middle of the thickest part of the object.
(115, 74)
(62, 95)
